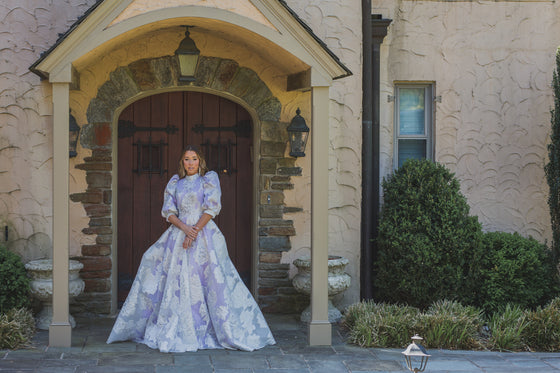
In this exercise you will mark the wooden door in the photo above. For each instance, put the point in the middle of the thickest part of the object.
(152, 134)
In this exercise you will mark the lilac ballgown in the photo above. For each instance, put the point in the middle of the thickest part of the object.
(185, 300)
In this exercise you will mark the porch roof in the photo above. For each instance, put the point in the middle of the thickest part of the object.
(344, 71)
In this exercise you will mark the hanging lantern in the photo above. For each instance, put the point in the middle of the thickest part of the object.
(188, 55)
(298, 133)
(74, 132)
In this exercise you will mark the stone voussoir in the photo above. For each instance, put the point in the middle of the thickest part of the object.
(97, 210)
(271, 211)
(270, 257)
(104, 239)
(95, 166)
(98, 230)
(291, 171)
(275, 243)
(95, 263)
(87, 197)
(96, 250)
(274, 266)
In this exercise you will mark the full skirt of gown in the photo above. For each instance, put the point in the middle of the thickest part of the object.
(185, 300)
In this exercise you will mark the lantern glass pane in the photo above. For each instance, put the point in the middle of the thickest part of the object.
(305, 136)
(187, 63)
(296, 141)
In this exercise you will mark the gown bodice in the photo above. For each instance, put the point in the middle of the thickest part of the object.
(190, 197)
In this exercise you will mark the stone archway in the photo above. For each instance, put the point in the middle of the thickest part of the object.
(126, 83)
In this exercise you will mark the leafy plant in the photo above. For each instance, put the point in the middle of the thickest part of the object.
(516, 270)
(507, 328)
(543, 330)
(552, 168)
(14, 283)
(449, 324)
(429, 248)
(17, 327)
(380, 324)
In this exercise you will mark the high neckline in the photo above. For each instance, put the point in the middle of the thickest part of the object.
(192, 177)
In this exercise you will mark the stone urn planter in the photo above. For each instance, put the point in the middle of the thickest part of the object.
(338, 282)
(42, 287)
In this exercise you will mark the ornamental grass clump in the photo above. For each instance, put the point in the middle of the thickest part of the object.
(373, 324)
(450, 325)
(507, 328)
(543, 330)
(17, 327)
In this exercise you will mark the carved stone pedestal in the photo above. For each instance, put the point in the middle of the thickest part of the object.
(338, 282)
(42, 287)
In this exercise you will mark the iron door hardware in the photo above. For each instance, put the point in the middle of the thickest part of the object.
(128, 129)
(242, 128)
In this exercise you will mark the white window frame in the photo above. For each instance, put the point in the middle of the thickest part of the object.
(428, 119)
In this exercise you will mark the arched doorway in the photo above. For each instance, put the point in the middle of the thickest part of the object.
(152, 133)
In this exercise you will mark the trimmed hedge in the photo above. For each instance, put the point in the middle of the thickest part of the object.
(517, 271)
(428, 247)
(14, 283)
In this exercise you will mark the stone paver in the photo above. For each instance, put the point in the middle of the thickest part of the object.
(90, 354)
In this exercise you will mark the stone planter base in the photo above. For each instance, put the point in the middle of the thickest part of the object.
(338, 282)
(42, 288)
(334, 314)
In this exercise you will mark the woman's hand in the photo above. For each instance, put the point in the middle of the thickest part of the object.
(187, 243)
(191, 232)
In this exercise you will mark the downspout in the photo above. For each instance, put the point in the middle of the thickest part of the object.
(366, 262)
(374, 29)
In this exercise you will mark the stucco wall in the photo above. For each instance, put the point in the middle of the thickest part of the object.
(492, 64)
(26, 30)
(338, 24)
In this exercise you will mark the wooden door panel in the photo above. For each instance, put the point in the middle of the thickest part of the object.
(141, 191)
(144, 174)
(125, 203)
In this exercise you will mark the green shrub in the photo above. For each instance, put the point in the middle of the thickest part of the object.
(449, 324)
(373, 324)
(17, 327)
(543, 330)
(14, 283)
(516, 270)
(429, 248)
(507, 328)
(552, 168)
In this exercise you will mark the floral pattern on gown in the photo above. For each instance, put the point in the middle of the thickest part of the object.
(185, 300)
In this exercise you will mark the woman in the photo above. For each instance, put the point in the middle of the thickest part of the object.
(187, 294)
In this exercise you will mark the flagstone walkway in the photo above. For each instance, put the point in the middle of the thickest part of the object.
(89, 353)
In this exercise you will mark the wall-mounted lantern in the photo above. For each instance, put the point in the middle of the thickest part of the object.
(298, 132)
(74, 132)
(188, 55)
(416, 355)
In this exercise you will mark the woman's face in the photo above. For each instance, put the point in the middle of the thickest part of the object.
(190, 162)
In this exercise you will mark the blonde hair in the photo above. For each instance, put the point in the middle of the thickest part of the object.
(202, 168)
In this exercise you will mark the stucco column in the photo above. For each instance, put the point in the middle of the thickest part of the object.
(60, 331)
(320, 332)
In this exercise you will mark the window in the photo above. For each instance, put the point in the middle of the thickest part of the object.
(413, 122)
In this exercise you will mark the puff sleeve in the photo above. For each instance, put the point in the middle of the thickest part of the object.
(169, 200)
(212, 194)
